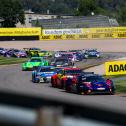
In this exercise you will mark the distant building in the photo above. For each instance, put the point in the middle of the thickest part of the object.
(29, 16)
(76, 22)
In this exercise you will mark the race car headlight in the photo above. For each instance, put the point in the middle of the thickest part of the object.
(66, 64)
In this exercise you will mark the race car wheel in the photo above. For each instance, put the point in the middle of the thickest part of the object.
(23, 69)
(112, 92)
(36, 81)
(52, 82)
(62, 84)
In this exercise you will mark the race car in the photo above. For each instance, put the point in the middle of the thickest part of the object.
(1, 49)
(61, 62)
(90, 84)
(15, 53)
(68, 55)
(91, 53)
(43, 74)
(59, 79)
(58, 53)
(34, 62)
(44, 53)
(32, 52)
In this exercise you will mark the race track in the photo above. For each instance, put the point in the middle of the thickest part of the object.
(106, 45)
(12, 79)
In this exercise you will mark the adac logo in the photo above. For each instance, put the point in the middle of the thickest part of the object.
(115, 68)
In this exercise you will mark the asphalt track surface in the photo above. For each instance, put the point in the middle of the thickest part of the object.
(13, 79)
(106, 45)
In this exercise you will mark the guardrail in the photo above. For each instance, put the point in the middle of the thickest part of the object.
(69, 109)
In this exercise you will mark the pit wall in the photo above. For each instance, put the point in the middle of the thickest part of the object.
(62, 34)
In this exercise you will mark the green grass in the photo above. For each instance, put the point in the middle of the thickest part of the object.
(10, 60)
(120, 86)
(113, 76)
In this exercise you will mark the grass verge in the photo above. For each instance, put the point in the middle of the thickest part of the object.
(11, 60)
(120, 86)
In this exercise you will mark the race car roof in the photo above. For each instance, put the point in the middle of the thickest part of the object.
(71, 68)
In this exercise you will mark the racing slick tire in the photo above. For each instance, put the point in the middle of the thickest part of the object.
(53, 82)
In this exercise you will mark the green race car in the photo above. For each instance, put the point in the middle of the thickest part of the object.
(34, 62)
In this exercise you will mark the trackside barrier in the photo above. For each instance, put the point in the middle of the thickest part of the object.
(68, 108)
(19, 34)
(83, 33)
(62, 34)
(78, 36)
(115, 68)
(20, 31)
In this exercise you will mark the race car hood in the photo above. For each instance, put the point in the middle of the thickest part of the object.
(45, 74)
(33, 64)
(93, 53)
(99, 83)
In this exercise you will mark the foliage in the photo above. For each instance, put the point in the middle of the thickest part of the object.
(86, 7)
(11, 11)
(112, 8)
(37, 23)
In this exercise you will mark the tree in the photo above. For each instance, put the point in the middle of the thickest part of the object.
(86, 7)
(11, 11)
(122, 15)
(37, 23)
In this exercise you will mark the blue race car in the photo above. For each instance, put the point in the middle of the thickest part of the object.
(43, 74)
(91, 84)
(91, 53)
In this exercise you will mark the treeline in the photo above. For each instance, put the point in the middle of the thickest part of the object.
(112, 8)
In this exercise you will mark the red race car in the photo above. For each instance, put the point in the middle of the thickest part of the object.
(59, 79)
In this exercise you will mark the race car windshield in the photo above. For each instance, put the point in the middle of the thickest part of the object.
(90, 51)
(73, 72)
(94, 79)
(44, 51)
(17, 50)
(67, 55)
(59, 62)
(35, 60)
(47, 70)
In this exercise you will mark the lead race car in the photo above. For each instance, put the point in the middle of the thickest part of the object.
(59, 79)
(90, 83)
(34, 62)
(43, 74)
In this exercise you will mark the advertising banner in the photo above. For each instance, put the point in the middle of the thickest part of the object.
(62, 31)
(115, 67)
(20, 31)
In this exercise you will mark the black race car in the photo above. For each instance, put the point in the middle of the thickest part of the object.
(61, 62)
